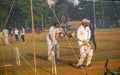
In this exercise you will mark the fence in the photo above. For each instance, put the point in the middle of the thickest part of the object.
(105, 14)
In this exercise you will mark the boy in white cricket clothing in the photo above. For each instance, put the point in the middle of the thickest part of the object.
(51, 38)
(23, 34)
(16, 34)
(5, 35)
(83, 36)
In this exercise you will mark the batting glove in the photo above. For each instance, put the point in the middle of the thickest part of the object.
(85, 42)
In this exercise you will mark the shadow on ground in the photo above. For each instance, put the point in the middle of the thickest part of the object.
(60, 62)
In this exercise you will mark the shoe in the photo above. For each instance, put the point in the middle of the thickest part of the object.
(80, 67)
(89, 65)
(49, 60)
(95, 49)
(58, 59)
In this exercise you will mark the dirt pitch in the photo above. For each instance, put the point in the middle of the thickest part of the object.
(108, 43)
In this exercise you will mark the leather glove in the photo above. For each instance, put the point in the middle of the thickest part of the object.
(85, 42)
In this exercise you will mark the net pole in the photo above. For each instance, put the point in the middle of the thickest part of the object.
(31, 7)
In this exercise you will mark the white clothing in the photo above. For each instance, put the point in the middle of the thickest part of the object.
(12, 32)
(5, 34)
(57, 53)
(52, 31)
(88, 53)
(83, 34)
(85, 20)
(60, 30)
(23, 31)
(16, 32)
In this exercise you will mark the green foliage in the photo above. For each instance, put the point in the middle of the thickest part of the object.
(4, 7)
(61, 7)
(41, 11)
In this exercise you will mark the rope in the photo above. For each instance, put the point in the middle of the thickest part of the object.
(32, 34)
(55, 15)
(20, 56)
(3, 55)
(23, 58)
(68, 40)
(12, 54)
(64, 33)
(9, 14)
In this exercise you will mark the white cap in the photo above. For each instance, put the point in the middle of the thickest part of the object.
(85, 20)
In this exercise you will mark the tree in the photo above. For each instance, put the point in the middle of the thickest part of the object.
(4, 10)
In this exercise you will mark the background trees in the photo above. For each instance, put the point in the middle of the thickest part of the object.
(107, 13)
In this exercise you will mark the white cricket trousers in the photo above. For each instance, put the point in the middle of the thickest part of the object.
(85, 52)
(57, 54)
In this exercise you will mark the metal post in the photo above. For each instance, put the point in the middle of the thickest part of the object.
(94, 13)
(42, 22)
(103, 15)
(81, 9)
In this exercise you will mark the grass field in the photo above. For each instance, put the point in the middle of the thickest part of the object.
(108, 43)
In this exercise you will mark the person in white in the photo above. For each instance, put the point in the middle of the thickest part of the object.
(83, 36)
(51, 38)
(5, 35)
(16, 34)
(23, 34)
(61, 34)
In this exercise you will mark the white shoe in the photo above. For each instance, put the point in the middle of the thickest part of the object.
(49, 59)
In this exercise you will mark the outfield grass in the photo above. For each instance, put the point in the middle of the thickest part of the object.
(108, 43)
(108, 30)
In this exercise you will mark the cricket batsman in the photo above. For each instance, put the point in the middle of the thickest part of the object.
(51, 38)
(83, 36)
